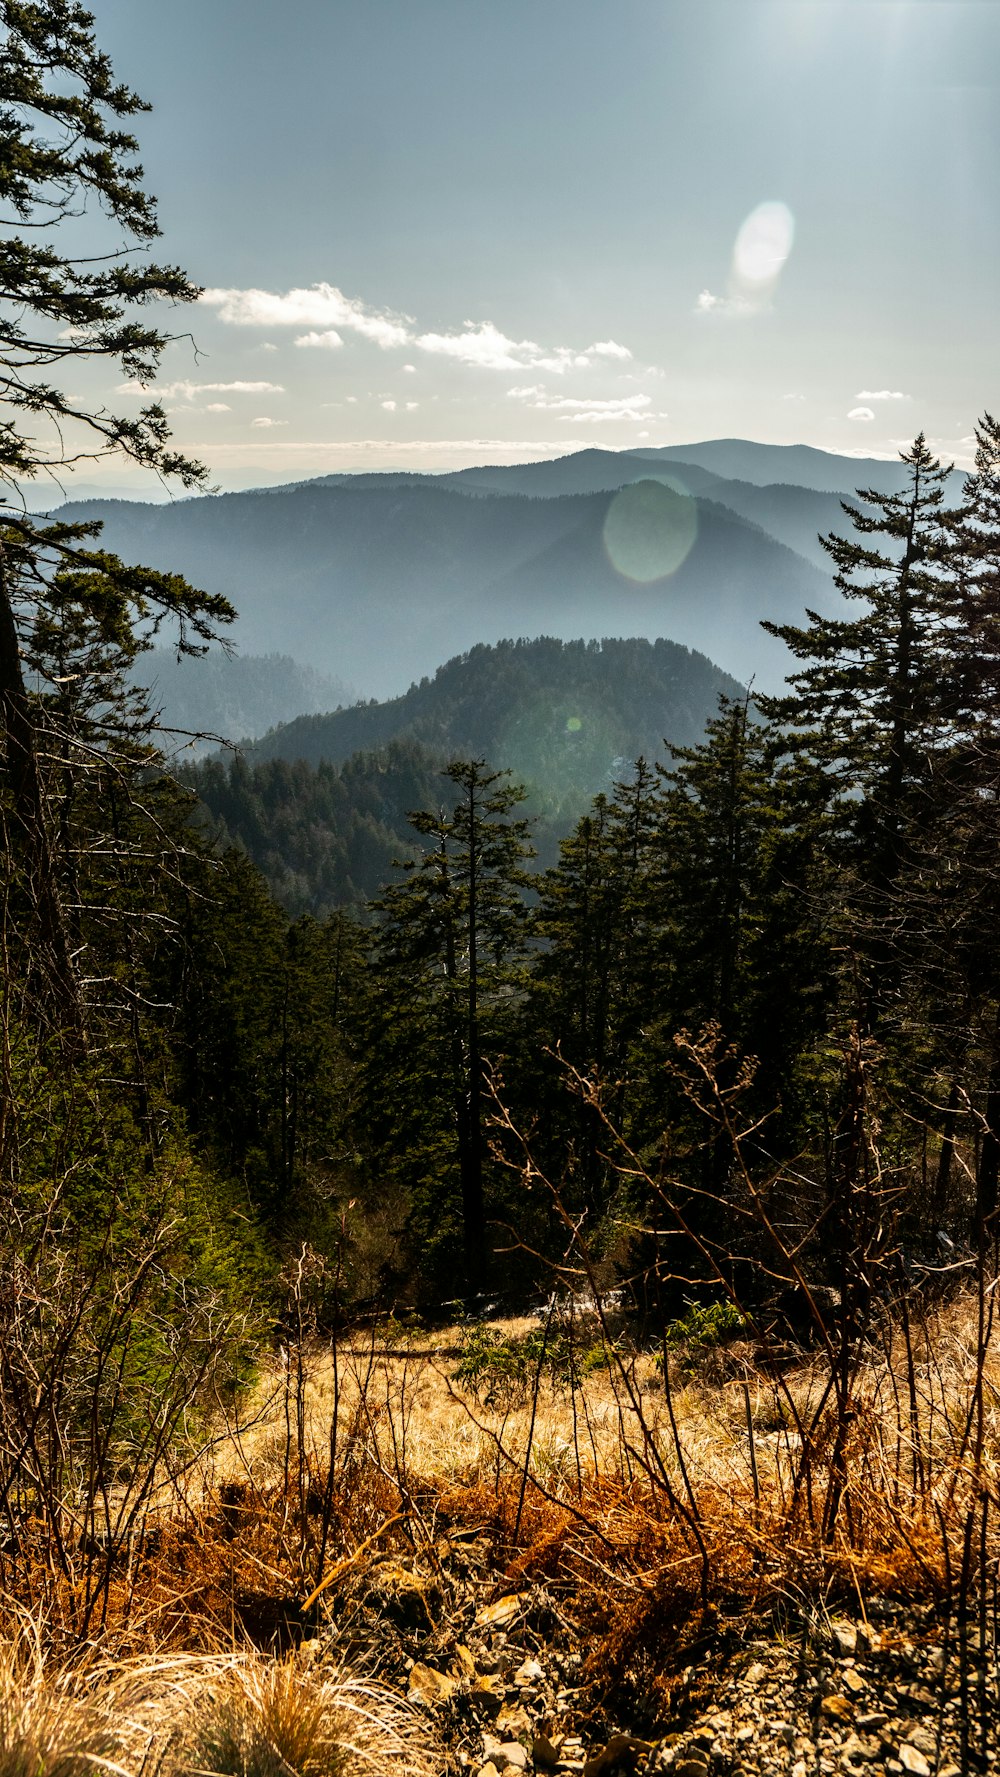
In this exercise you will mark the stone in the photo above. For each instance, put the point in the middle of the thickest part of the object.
(620, 1754)
(836, 1708)
(512, 1756)
(913, 1760)
(756, 1673)
(845, 1639)
(852, 1681)
(488, 1694)
(428, 1686)
(546, 1752)
(463, 1663)
(407, 1598)
(529, 1673)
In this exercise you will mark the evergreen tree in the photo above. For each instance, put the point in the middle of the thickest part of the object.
(449, 945)
(874, 705)
(61, 149)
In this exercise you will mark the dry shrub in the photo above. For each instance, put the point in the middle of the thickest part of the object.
(296, 1718)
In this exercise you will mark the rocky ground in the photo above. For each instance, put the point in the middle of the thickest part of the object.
(504, 1677)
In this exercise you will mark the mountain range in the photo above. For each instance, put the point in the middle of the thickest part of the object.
(375, 578)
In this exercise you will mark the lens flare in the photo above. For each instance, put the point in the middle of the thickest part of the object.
(762, 246)
(649, 530)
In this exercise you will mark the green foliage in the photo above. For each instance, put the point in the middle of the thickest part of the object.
(705, 1325)
(499, 1370)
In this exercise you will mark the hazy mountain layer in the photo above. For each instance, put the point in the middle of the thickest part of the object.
(377, 585)
(228, 697)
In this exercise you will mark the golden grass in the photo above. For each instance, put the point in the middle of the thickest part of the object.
(651, 1511)
(234, 1715)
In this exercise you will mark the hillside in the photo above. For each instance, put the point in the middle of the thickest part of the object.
(320, 804)
(379, 585)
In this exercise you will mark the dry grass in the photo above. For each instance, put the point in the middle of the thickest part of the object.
(650, 1510)
(236, 1715)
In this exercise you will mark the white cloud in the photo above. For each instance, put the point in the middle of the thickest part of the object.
(411, 406)
(410, 369)
(390, 406)
(262, 420)
(188, 390)
(617, 407)
(710, 304)
(330, 339)
(793, 397)
(218, 407)
(608, 348)
(326, 314)
(881, 395)
(864, 414)
(483, 346)
(322, 306)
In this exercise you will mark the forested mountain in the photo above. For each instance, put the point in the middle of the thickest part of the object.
(564, 716)
(321, 803)
(375, 585)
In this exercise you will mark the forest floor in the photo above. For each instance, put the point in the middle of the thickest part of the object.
(569, 1568)
(540, 1558)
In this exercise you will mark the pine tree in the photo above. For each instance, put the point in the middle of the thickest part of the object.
(61, 149)
(447, 953)
(874, 706)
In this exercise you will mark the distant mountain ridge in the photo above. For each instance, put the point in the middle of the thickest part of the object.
(374, 578)
(377, 585)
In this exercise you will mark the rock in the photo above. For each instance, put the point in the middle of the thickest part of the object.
(694, 1765)
(488, 1694)
(407, 1598)
(428, 1686)
(756, 1673)
(837, 1708)
(529, 1673)
(852, 1681)
(489, 1769)
(511, 1756)
(913, 1760)
(620, 1754)
(463, 1664)
(845, 1639)
(513, 1722)
(546, 1752)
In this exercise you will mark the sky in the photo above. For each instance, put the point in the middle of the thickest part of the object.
(440, 232)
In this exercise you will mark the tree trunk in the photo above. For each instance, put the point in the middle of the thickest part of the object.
(53, 990)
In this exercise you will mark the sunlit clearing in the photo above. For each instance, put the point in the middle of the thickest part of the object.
(649, 530)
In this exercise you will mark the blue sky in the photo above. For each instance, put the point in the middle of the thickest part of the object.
(435, 232)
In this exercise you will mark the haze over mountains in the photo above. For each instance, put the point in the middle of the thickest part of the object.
(375, 579)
